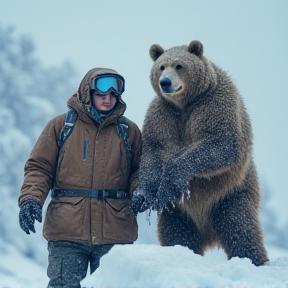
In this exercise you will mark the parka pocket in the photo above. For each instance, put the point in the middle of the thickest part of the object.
(119, 224)
(55, 267)
(64, 218)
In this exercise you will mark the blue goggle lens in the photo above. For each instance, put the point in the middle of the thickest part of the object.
(105, 84)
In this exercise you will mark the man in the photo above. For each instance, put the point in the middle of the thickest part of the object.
(92, 172)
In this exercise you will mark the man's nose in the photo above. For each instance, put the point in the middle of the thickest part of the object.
(108, 97)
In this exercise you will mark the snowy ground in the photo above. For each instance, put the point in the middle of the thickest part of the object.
(152, 266)
(17, 271)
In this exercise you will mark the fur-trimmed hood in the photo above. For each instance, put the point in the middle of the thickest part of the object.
(81, 100)
(85, 85)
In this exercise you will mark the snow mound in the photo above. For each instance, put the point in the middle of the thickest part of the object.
(153, 266)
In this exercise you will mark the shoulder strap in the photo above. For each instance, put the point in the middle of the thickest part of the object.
(71, 117)
(123, 129)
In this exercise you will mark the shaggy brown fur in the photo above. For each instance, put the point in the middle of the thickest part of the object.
(197, 157)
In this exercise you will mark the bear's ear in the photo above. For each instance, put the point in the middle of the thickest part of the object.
(196, 47)
(155, 51)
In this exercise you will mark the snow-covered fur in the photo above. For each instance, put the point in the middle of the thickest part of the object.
(197, 157)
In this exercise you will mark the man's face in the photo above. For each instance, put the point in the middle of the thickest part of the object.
(103, 102)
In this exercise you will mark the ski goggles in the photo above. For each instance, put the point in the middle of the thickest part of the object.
(108, 83)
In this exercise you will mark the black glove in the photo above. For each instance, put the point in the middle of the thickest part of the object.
(29, 211)
(136, 203)
(141, 200)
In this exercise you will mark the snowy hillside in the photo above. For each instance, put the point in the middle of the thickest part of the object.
(152, 266)
(144, 266)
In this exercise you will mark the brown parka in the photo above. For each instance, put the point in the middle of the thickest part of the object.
(103, 165)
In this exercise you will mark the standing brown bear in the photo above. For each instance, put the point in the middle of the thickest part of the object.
(197, 168)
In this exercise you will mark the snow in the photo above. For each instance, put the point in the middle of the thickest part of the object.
(17, 271)
(153, 266)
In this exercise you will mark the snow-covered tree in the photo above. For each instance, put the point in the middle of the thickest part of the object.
(30, 95)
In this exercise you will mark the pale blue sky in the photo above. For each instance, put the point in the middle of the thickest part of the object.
(249, 39)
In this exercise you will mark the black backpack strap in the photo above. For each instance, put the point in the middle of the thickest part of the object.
(123, 130)
(71, 117)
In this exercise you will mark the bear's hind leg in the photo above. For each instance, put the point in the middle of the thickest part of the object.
(176, 228)
(236, 223)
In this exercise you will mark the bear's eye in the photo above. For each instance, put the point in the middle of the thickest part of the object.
(162, 67)
(178, 67)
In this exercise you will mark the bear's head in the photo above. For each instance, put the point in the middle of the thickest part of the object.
(181, 73)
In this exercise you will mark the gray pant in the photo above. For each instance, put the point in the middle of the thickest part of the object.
(68, 262)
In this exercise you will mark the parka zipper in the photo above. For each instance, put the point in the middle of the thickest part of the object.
(94, 155)
(92, 181)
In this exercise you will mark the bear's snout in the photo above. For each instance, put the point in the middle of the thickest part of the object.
(166, 84)
(170, 85)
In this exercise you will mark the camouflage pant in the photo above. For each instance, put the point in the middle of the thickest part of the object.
(68, 262)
